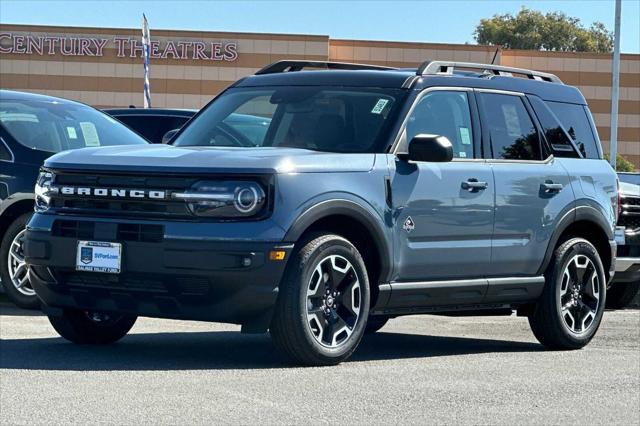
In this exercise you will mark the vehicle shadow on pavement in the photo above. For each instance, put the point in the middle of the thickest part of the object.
(222, 350)
(13, 311)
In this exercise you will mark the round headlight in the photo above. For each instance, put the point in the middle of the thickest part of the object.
(246, 199)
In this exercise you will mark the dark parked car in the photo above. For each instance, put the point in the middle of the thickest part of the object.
(32, 128)
(153, 123)
(626, 282)
(373, 193)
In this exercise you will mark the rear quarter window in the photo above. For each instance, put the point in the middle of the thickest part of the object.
(576, 122)
(5, 155)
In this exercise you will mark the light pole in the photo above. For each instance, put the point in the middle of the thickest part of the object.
(615, 87)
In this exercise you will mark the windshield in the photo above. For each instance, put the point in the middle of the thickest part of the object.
(54, 127)
(331, 119)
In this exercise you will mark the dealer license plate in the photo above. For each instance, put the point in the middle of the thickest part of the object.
(97, 256)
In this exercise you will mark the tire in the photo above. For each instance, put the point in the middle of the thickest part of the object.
(619, 295)
(375, 323)
(568, 316)
(91, 328)
(18, 289)
(310, 326)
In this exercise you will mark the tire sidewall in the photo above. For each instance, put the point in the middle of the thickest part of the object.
(341, 247)
(14, 295)
(579, 247)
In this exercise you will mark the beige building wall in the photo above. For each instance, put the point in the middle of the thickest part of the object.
(112, 81)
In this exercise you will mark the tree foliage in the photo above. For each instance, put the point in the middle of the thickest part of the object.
(532, 30)
(622, 164)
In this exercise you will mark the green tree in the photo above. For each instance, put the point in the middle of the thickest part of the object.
(554, 31)
(622, 164)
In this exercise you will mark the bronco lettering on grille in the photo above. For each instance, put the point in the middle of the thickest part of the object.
(113, 193)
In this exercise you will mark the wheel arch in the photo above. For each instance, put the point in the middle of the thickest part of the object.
(357, 224)
(13, 208)
(584, 222)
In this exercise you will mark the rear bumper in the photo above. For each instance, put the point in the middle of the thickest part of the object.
(222, 281)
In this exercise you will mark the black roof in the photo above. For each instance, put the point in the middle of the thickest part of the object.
(408, 78)
(174, 112)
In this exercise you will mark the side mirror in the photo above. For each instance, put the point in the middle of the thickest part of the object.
(431, 148)
(166, 139)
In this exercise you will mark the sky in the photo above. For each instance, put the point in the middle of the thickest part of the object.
(421, 21)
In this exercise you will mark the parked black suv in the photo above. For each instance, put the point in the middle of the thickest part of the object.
(154, 124)
(370, 193)
(32, 128)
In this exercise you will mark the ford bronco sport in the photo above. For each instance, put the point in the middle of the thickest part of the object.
(374, 192)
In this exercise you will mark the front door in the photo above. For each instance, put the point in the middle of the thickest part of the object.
(443, 212)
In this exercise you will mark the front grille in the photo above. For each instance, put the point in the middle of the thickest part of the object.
(73, 229)
(137, 283)
(630, 216)
(85, 230)
(124, 207)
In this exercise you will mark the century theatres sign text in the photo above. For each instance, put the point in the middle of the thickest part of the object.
(124, 47)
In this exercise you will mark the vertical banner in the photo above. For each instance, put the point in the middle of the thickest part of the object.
(146, 50)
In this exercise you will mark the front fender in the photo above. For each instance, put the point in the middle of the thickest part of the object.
(6, 204)
(357, 209)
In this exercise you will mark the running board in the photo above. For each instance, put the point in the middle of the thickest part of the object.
(455, 295)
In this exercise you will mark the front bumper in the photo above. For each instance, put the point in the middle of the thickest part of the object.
(627, 270)
(194, 279)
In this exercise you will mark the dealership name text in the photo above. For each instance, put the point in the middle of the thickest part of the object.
(124, 46)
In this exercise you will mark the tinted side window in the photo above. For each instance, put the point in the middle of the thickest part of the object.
(553, 131)
(5, 155)
(576, 123)
(444, 113)
(513, 135)
(153, 128)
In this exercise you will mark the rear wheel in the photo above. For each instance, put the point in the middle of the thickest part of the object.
(619, 295)
(323, 303)
(13, 269)
(85, 327)
(570, 309)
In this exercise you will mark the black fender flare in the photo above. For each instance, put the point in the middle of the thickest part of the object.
(576, 214)
(354, 210)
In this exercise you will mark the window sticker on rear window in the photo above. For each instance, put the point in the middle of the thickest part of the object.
(465, 137)
(90, 134)
(379, 106)
(71, 131)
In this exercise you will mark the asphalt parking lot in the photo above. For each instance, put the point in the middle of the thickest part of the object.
(417, 370)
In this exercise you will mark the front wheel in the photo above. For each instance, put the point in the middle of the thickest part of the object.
(570, 309)
(14, 273)
(323, 305)
(86, 327)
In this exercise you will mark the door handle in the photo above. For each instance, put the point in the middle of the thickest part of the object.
(549, 187)
(473, 185)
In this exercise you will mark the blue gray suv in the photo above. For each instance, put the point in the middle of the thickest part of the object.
(372, 193)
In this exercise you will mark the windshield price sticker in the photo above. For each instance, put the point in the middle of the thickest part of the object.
(379, 106)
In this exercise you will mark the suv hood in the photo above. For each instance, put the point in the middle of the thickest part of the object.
(170, 159)
(629, 189)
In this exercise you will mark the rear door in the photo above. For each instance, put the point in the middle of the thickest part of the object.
(443, 225)
(532, 189)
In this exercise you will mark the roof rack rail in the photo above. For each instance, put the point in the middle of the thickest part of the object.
(447, 68)
(288, 66)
